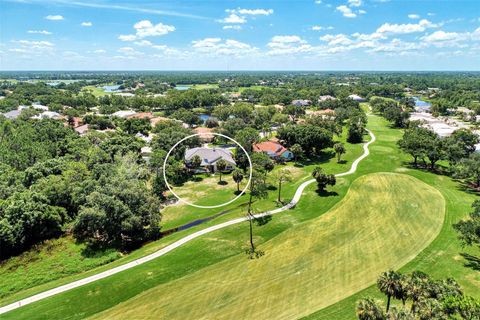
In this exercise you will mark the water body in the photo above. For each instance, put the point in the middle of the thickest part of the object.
(182, 88)
(421, 103)
(111, 88)
(204, 117)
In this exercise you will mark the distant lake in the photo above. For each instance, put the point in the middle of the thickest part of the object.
(182, 88)
(110, 88)
(53, 84)
(421, 103)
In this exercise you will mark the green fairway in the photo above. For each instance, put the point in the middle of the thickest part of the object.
(312, 264)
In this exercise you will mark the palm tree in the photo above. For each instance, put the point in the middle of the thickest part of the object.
(221, 165)
(237, 177)
(416, 290)
(389, 284)
(339, 150)
(369, 309)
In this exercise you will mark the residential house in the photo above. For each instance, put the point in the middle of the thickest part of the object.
(274, 150)
(210, 158)
(326, 98)
(123, 113)
(357, 98)
(14, 114)
(301, 103)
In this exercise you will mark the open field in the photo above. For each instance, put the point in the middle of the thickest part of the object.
(310, 265)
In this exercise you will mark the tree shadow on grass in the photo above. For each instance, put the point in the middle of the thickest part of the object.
(326, 193)
(473, 262)
(196, 179)
(222, 183)
(342, 162)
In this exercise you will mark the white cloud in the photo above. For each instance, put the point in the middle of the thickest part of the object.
(318, 1)
(285, 45)
(127, 37)
(414, 16)
(421, 26)
(239, 15)
(39, 32)
(86, 24)
(397, 46)
(219, 47)
(253, 12)
(18, 50)
(320, 28)
(338, 39)
(430, 14)
(99, 51)
(33, 47)
(355, 3)
(130, 52)
(54, 17)
(362, 11)
(145, 29)
(234, 27)
(233, 18)
(346, 11)
(143, 43)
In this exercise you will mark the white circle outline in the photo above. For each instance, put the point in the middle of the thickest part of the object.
(196, 205)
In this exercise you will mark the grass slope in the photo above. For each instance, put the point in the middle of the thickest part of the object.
(52, 259)
(384, 221)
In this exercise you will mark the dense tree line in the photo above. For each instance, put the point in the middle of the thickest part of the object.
(54, 181)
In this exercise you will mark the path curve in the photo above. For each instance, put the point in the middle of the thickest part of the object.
(178, 243)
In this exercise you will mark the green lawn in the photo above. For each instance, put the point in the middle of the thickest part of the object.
(312, 264)
(441, 258)
(96, 91)
(53, 259)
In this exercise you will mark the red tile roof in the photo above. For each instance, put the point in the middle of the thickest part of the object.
(269, 147)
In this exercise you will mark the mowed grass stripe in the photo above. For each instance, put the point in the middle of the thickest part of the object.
(383, 222)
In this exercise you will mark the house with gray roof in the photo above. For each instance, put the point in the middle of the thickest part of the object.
(210, 157)
(14, 114)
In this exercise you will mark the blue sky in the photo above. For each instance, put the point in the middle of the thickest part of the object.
(240, 35)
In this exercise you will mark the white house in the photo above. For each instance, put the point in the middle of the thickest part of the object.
(210, 157)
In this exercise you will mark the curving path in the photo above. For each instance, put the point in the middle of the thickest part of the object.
(161, 252)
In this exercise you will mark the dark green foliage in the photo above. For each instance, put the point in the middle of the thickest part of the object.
(26, 218)
(310, 138)
(469, 229)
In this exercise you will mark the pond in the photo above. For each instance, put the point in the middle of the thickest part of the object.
(111, 88)
(182, 88)
(421, 103)
(204, 117)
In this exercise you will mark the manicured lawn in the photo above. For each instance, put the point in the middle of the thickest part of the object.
(53, 259)
(96, 91)
(383, 222)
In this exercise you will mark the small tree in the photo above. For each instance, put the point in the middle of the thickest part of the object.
(469, 169)
(297, 151)
(323, 179)
(258, 190)
(195, 162)
(237, 177)
(281, 176)
(369, 309)
(339, 150)
(221, 165)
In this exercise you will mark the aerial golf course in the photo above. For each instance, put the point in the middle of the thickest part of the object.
(320, 257)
